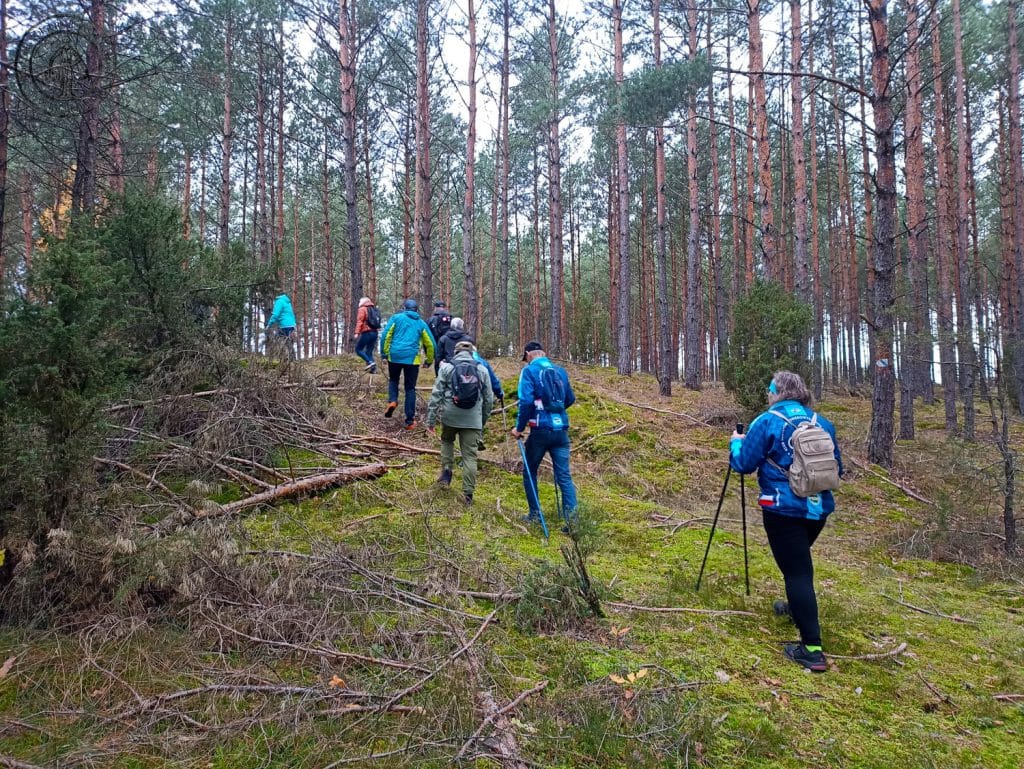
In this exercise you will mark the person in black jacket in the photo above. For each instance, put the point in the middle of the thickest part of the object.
(454, 335)
(439, 324)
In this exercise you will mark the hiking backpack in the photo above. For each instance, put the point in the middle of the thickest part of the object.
(465, 384)
(552, 388)
(439, 325)
(373, 317)
(814, 467)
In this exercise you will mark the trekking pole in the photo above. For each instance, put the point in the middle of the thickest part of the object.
(504, 431)
(533, 485)
(743, 509)
(714, 524)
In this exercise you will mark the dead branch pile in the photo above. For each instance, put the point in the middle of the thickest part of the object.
(364, 647)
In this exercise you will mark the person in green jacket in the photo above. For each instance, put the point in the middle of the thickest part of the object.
(400, 345)
(462, 380)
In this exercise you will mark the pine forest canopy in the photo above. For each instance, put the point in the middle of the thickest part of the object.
(610, 177)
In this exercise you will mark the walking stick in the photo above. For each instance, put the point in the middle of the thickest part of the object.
(533, 486)
(714, 524)
(743, 509)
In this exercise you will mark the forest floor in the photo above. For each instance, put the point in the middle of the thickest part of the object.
(383, 623)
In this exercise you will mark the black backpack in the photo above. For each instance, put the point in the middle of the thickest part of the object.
(373, 317)
(465, 384)
(439, 325)
(552, 388)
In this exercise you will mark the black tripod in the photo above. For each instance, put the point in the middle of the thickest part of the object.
(714, 524)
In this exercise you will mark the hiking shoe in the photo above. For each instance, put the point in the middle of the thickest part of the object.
(445, 478)
(468, 500)
(371, 368)
(411, 425)
(813, 661)
(531, 520)
(781, 609)
(392, 405)
(480, 446)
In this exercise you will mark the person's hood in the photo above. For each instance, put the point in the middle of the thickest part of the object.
(412, 314)
(365, 301)
(442, 311)
(457, 334)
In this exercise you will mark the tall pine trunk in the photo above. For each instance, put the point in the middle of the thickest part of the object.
(223, 212)
(555, 193)
(470, 308)
(667, 368)
(765, 198)
(423, 182)
(694, 343)
(347, 78)
(883, 262)
(623, 329)
(1017, 177)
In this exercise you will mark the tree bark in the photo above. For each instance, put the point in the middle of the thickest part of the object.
(470, 309)
(330, 298)
(423, 181)
(883, 394)
(812, 131)
(694, 343)
(555, 193)
(5, 111)
(83, 187)
(624, 343)
(226, 135)
(964, 327)
(943, 309)
(765, 200)
(506, 161)
(347, 82)
(720, 300)
(667, 367)
(800, 245)
(1017, 176)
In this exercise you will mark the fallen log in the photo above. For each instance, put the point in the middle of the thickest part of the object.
(297, 488)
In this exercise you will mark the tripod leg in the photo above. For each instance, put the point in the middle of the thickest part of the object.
(714, 524)
(743, 509)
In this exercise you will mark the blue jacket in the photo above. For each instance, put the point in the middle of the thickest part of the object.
(403, 336)
(495, 382)
(531, 411)
(283, 314)
(768, 437)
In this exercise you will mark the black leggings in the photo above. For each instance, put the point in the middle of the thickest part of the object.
(790, 540)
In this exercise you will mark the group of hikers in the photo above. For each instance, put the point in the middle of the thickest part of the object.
(792, 448)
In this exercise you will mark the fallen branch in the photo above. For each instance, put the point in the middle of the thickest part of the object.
(954, 617)
(593, 438)
(13, 763)
(288, 691)
(1008, 697)
(150, 481)
(671, 413)
(942, 696)
(879, 656)
(185, 396)
(300, 487)
(498, 713)
(415, 687)
(679, 610)
(905, 489)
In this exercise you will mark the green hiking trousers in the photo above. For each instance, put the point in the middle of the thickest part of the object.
(468, 437)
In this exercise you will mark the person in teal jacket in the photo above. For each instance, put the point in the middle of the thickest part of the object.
(400, 345)
(283, 316)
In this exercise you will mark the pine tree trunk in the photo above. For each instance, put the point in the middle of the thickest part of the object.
(736, 206)
(964, 327)
(330, 298)
(667, 369)
(260, 220)
(83, 187)
(555, 193)
(423, 181)
(694, 342)
(370, 257)
(815, 246)
(5, 111)
(506, 154)
(1017, 177)
(279, 229)
(623, 329)
(347, 83)
(769, 236)
(800, 246)
(470, 309)
(943, 259)
(186, 197)
(720, 301)
(223, 215)
(883, 394)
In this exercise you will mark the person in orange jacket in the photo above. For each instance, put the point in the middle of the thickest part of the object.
(367, 327)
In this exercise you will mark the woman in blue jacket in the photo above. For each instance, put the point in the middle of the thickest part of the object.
(791, 522)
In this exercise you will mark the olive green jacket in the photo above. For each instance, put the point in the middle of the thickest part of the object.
(442, 409)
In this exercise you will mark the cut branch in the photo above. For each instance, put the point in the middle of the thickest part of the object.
(954, 617)
(679, 610)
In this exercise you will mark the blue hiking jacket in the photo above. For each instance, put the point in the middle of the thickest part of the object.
(403, 336)
(531, 412)
(495, 382)
(768, 437)
(283, 314)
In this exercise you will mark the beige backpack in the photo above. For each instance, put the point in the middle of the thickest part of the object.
(814, 467)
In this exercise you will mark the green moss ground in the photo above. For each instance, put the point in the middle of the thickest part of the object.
(931, 706)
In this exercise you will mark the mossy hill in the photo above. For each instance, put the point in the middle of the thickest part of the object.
(717, 691)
